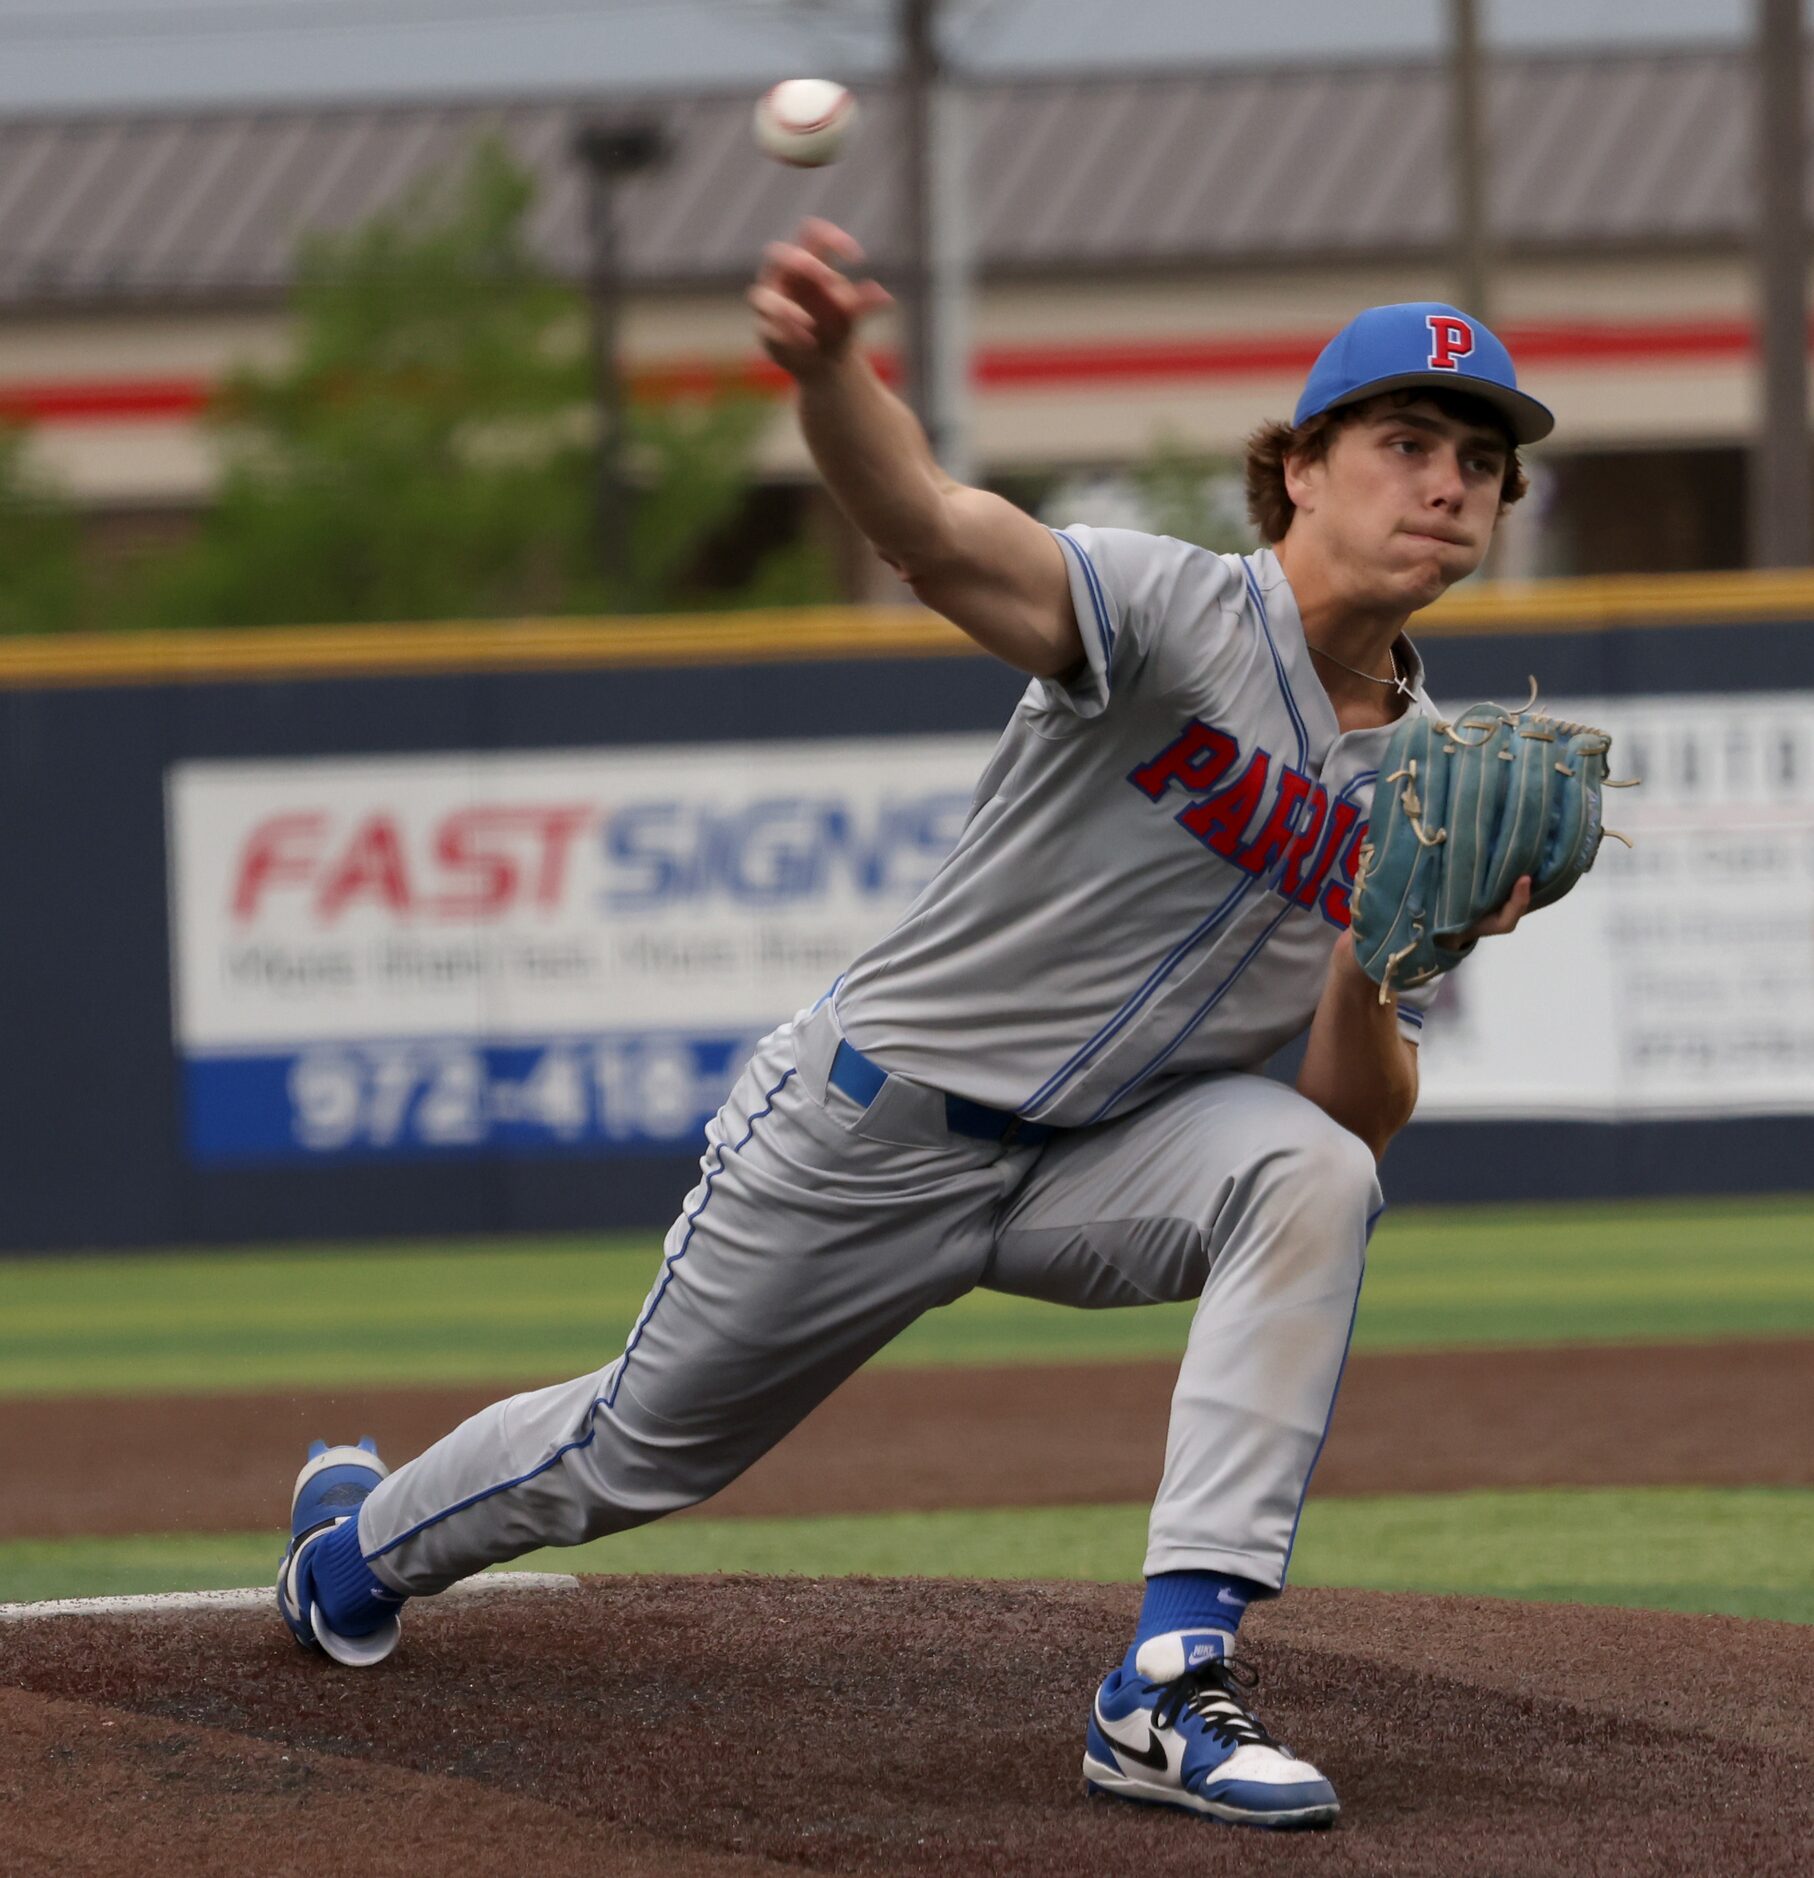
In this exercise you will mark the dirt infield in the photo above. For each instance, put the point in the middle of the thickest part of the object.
(1731, 1414)
(724, 1727)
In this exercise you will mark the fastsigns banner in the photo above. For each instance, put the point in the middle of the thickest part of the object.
(524, 951)
(536, 952)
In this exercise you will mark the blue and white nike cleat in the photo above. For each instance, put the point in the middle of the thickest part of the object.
(331, 1488)
(1176, 1731)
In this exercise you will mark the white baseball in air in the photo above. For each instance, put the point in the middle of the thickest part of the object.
(804, 121)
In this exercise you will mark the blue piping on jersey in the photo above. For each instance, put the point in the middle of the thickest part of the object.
(1131, 1009)
(485, 1493)
(1278, 664)
(1080, 1058)
(1247, 958)
(1104, 631)
(1411, 1017)
(1323, 1440)
(1215, 997)
(609, 1399)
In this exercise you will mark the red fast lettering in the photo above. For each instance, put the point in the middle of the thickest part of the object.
(281, 848)
(478, 862)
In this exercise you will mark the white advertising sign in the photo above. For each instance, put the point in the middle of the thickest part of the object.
(525, 949)
(573, 950)
(1678, 977)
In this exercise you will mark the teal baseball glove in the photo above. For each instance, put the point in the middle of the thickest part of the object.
(1460, 812)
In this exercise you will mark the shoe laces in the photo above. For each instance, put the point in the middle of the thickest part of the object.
(1213, 1696)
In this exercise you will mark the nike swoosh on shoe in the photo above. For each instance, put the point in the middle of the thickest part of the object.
(1152, 1755)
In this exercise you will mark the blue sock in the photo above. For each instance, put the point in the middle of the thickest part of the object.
(1194, 1601)
(354, 1601)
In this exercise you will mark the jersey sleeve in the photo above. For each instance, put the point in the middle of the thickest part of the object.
(1139, 601)
(1414, 1007)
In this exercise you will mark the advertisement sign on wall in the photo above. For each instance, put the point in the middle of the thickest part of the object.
(530, 952)
(524, 951)
(1678, 978)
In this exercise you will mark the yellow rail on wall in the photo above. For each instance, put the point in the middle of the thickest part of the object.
(1622, 600)
(791, 633)
(293, 652)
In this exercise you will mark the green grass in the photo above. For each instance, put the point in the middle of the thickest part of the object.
(1747, 1552)
(509, 1311)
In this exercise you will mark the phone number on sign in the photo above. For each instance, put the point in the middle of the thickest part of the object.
(449, 1097)
(620, 1092)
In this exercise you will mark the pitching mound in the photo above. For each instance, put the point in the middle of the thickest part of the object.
(728, 1726)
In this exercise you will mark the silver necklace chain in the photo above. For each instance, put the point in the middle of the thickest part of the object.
(1395, 683)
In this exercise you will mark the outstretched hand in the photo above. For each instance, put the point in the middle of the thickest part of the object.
(806, 307)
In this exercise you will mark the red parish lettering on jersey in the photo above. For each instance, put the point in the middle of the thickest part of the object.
(1451, 340)
(1307, 848)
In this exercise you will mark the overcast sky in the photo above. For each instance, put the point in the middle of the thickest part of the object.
(110, 52)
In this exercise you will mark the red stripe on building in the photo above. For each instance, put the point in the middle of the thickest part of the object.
(116, 400)
(1022, 367)
(1651, 343)
(1136, 360)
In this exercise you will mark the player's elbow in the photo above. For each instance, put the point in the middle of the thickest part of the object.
(1373, 1105)
(1017, 634)
(936, 545)
(1396, 1103)
(1375, 1130)
(997, 575)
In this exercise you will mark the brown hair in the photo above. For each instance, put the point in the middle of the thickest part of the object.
(1270, 508)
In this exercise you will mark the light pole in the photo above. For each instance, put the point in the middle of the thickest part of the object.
(1470, 235)
(935, 244)
(609, 152)
(1780, 497)
(918, 30)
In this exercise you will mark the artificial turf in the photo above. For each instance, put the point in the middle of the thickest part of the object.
(1746, 1552)
(532, 1310)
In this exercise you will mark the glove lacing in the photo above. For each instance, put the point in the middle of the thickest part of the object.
(1212, 1696)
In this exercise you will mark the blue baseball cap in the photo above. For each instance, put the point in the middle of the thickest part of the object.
(1421, 343)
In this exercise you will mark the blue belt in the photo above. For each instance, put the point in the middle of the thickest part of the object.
(862, 1081)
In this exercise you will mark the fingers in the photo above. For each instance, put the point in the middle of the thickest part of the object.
(781, 322)
(828, 241)
(1517, 904)
(798, 271)
(1508, 916)
(1516, 907)
(806, 306)
(815, 261)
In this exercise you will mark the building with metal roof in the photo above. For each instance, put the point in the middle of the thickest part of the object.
(1151, 253)
(1638, 153)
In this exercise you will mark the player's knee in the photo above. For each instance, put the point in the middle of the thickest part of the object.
(1331, 1167)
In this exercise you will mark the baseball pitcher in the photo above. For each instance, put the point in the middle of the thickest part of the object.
(1045, 1080)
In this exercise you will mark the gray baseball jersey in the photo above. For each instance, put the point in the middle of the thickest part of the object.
(1141, 908)
(1158, 861)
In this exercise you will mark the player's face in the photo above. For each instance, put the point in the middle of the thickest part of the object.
(1405, 502)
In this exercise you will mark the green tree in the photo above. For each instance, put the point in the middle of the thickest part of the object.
(425, 451)
(1191, 496)
(42, 588)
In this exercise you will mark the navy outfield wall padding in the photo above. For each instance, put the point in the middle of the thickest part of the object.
(1766, 656)
(91, 1147)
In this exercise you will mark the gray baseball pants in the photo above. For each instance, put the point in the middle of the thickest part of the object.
(820, 1229)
